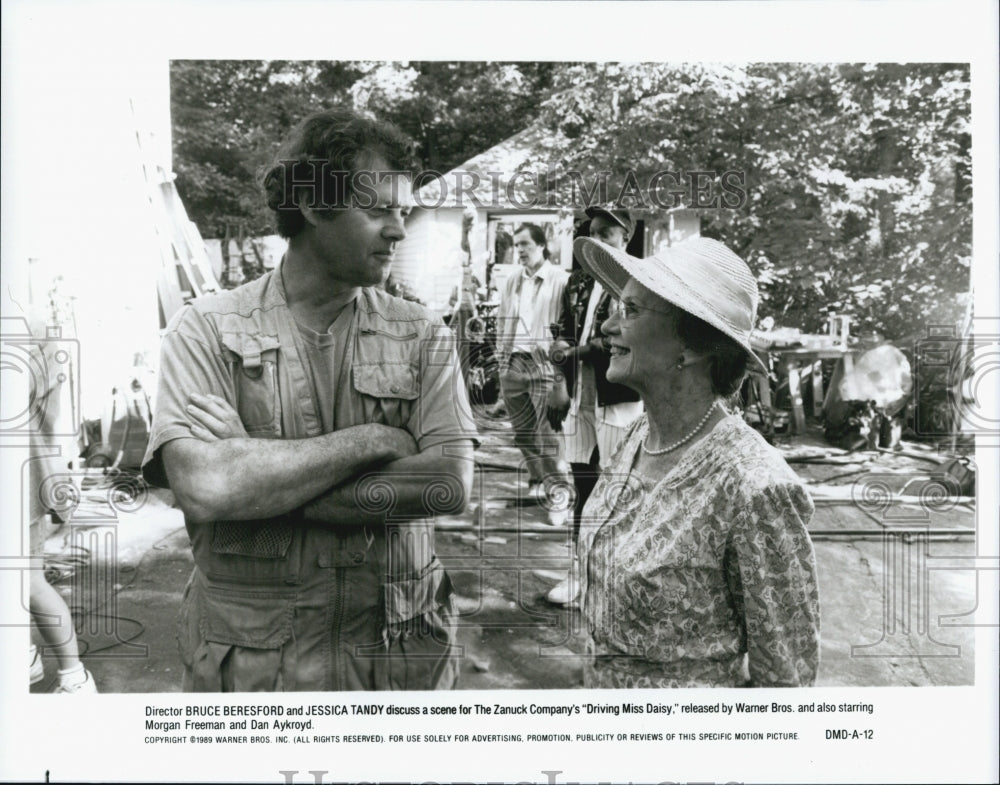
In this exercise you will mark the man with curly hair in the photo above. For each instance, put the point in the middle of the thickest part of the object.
(310, 426)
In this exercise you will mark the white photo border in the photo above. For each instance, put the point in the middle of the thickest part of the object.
(55, 52)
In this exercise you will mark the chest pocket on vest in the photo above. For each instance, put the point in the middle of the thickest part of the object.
(389, 390)
(253, 360)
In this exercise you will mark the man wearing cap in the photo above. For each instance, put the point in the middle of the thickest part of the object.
(598, 412)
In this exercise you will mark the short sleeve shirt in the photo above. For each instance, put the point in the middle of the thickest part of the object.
(318, 388)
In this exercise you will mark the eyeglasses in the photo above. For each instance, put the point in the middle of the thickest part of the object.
(628, 311)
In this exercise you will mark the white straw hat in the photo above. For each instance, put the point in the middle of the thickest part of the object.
(698, 275)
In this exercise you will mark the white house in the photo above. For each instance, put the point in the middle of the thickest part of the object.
(511, 183)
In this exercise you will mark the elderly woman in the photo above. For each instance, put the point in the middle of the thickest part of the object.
(697, 570)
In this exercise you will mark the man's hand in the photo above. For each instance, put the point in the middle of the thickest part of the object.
(223, 474)
(213, 418)
(557, 405)
(437, 481)
(560, 352)
(599, 343)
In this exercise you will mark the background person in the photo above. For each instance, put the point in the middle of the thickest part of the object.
(530, 304)
(598, 412)
(697, 568)
(49, 612)
(52, 617)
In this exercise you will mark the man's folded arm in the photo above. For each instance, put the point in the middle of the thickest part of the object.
(247, 479)
(437, 481)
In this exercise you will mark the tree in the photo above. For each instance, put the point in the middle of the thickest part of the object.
(229, 117)
(455, 110)
(856, 176)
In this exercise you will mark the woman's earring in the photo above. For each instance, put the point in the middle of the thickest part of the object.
(680, 363)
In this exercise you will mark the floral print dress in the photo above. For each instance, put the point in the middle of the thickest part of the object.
(705, 577)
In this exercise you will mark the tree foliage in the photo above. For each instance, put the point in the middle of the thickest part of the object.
(229, 117)
(858, 192)
(858, 197)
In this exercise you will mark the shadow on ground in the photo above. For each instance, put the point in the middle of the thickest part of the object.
(895, 603)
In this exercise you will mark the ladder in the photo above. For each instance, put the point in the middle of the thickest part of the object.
(186, 272)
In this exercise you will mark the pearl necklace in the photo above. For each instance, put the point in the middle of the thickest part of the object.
(686, 439)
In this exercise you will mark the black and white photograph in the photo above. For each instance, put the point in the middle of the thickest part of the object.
(628, 414)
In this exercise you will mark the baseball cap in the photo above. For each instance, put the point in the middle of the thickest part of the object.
(619, 217)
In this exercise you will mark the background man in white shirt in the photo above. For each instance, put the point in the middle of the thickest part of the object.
(530, 305)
